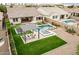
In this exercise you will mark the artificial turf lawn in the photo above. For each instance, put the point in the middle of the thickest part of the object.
(37, 47)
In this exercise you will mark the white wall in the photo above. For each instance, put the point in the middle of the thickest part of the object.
(34, 18)
(67, 16)
(17, 22)
(58, 17)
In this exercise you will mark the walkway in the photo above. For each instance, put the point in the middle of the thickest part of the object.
(4, 49)
(68, 49)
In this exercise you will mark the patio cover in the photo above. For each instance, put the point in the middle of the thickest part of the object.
(28, 26)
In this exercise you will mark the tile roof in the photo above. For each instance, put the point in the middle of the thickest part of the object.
(22, 12)
(51, 11)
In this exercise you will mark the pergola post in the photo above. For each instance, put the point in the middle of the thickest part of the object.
(38, 33)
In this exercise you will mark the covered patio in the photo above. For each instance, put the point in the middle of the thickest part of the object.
(26, 19)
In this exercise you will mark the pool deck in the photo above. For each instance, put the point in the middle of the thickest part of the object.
(36, 37)
(68, 49)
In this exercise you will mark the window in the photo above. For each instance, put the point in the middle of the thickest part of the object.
(54, 17)
(66, 15)
(39, 18)
(62, 17)
(73, 14)
(15, 19)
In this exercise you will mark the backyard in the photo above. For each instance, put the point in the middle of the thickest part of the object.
(37, 47)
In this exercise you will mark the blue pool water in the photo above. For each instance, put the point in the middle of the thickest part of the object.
(67, 21)
(45, 27)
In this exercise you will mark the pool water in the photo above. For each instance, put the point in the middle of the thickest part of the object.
(68, 21)
(45, 27)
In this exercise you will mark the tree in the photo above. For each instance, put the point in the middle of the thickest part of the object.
(3, 9)
(72, 6)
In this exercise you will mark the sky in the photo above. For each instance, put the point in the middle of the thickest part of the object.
(39, 1)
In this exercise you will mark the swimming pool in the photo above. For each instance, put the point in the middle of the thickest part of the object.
(43, 29)
(68, 21)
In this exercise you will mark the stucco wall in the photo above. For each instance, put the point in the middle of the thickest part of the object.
(11, 21)
(58, 17)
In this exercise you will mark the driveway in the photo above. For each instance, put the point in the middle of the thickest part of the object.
(68, 49)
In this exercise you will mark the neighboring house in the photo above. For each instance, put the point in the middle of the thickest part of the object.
(23, 14)
(53, 13)
(31, 14)
(73, 12)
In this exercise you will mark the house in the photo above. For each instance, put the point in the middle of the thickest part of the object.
(22, 14)
(73, 12)
(54, 13)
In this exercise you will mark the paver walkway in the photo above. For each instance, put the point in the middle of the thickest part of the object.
(68, 49)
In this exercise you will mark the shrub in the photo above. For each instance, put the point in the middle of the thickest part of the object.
(70, 31)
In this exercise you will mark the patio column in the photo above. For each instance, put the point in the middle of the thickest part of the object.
(38, 33)
(34, 18)
(19, 20)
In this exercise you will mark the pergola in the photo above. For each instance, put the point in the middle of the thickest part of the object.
(29, 26)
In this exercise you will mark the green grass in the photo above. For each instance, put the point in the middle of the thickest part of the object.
(38, 47)
(17, 25)
(8, 24)
(12, 45)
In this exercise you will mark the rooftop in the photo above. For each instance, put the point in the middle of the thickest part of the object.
(70, 10)
(51, 11)
(22, 12)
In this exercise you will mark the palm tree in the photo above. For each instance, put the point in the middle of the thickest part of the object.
(3, 9)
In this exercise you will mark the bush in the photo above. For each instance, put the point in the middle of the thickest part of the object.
(12, 45)
(77, 34)
(70, 31)
(71, 6)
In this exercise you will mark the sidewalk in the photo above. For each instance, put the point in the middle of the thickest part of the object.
(4, 49)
